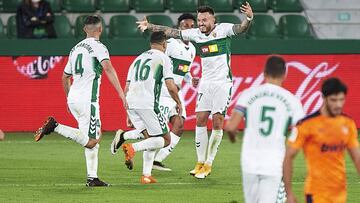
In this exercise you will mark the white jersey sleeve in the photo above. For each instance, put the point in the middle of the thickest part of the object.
(189, 34)
(298, 113)
(241, 104)
(227, 29)
(167, 68)
(102, 53)
(67, 69)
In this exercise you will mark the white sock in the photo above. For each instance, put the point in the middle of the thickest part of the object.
(166, 151)
(214, 142)
(72, 134)
(201, 142)
(91, 156)
(133, 135)
(149, 144)
(148, 159)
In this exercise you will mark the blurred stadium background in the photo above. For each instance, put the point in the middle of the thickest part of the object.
(318, 39)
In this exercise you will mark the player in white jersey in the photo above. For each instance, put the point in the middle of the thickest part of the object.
(182, 54)
(86, 62)
(143, 87)
(269, 110)
(214, 91)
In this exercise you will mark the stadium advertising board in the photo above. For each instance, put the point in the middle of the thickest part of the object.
(31, 87)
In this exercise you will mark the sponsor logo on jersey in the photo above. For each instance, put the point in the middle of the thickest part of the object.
(183, 68)
(209, 49)
(332, 147)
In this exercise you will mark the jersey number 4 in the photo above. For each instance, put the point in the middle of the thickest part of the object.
(142, 72)
(78, 65)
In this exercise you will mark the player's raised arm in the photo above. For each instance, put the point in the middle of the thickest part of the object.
(169, 32)
(244, 26)
(113, 78)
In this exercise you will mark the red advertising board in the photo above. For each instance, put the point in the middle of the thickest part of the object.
(30, 87)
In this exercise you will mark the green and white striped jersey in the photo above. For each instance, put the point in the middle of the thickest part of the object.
(215, 51)
(145, 76)
(84, 64)
(181, 55)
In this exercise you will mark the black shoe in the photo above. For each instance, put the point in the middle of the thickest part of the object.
(160, 166)
(117, 141)
(47, 128)
(96, 182)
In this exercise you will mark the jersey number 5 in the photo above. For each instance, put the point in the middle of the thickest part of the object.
(142, 73)
(265, 110)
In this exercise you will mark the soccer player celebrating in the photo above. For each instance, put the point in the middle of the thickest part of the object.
(214, 92)
(182, 54)
(324, 136)
(86, 62)
(269, 109)
(143, 88)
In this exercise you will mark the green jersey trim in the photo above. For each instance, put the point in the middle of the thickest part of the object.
(169, 78)
(97, 68)
(158, 75)
(180, 67)
(93, 120)
(215, 47)
(67, 73)
(104, 60)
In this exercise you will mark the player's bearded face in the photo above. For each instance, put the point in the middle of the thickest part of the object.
(206, 22)
(334, 103)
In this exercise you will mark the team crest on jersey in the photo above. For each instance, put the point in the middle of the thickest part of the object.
(214, 34)
(345, 130)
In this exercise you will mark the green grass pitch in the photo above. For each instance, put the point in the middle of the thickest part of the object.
(53, 170)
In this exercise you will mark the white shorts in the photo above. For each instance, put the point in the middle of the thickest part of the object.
(213, 97)
(88, 117)
(167, 107)
(260, 188)
(154, 123)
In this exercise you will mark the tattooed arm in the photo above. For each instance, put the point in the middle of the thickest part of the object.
(244, 26)
(169, 32)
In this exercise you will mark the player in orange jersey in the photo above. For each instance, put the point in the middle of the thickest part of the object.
(324, 136)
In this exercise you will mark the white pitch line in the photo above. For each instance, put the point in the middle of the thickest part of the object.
(117, 184)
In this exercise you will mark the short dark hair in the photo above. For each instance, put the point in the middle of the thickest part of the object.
(275, 67)
(205, 9)
(92, 20)
(333, 86)
(157, 37)
(186, 16)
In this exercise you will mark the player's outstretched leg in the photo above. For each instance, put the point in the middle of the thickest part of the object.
(148, 158)
(121, 136)
(47, 128)
(164, 153)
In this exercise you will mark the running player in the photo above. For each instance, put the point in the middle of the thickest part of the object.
(86, 62)
(214, 92)
(324, 136)
(182, 54)
(269, 109)
(143, 87)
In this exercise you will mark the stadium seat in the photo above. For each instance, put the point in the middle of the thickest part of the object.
(79, 5)
(285, 5)
(9, 6)
(2, 30)
(160, 20)
(11, 27)
(79, 25)
(148, 5)
(177, 6)
(113, 5)
(62, 27)
(263, 27)
(256, 5)
(219, 5)
(227, 19)
(294, 27)
(123, 26)
(55, 5)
